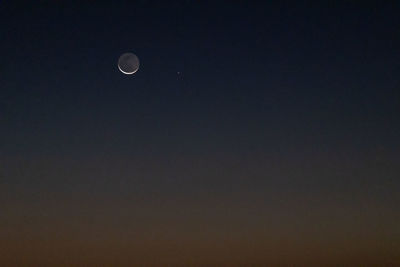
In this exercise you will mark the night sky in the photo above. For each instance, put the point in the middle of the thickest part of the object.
(253, 134)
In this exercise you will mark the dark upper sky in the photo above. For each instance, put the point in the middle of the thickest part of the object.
(254, 133)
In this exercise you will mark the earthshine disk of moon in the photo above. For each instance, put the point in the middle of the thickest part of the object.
(128, 63)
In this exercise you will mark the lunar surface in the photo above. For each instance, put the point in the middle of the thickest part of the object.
(128, 63)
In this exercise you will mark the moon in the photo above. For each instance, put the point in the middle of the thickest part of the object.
(128, 63)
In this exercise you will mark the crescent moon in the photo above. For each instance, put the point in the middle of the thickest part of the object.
(128, 63)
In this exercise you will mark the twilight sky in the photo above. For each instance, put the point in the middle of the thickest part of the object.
(253, 134)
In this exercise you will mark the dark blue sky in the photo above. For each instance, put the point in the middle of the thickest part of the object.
(242, 119)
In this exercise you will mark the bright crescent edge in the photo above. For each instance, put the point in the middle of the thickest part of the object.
(129, 73)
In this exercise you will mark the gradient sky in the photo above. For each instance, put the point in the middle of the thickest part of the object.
(253, 134)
